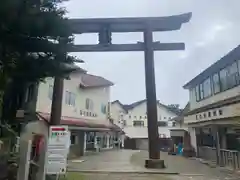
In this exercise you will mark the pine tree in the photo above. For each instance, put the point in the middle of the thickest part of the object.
(33, 39)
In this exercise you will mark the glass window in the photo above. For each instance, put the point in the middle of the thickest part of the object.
(238, 66)
(104, 109)
(50, 92)
(207, 91)
(138, 123)
(193, 94)
(70, 98)
(223, 79)
(89, 104)
(216, 83)
(162, 124)
(73, 139)
(232, 75)
(201, 91)
(197, 93)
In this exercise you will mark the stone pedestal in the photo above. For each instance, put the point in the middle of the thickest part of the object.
(189, 153)
(154, 164)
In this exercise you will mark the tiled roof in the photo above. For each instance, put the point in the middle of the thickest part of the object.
(123, 106)
(228, 59)
(183, 112)
(89, 80)
(73, 66)
(128, 107)
(80, 122)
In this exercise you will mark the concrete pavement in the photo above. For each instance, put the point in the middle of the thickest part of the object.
(125, 164)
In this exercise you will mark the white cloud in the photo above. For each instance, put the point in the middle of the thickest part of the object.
(211, 33)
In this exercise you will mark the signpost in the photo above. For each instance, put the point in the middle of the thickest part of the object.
(57, 150)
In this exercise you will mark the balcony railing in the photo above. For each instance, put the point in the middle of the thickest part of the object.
(227, 158)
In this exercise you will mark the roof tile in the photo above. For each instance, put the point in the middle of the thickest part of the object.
(89, 80)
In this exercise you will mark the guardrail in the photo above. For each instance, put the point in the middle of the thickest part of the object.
(227, 158)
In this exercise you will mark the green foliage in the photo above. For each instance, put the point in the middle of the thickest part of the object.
(175, 108)
(33, 40)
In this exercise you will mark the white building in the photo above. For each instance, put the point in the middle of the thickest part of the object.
(84, 109)
(214, 113)
(133, 120)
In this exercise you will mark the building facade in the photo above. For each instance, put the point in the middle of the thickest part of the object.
(133, 120)
(214, 114)
(84, 109)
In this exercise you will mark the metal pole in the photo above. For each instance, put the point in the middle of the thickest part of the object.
(153, 136)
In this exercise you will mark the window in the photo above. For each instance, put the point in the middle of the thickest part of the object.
(124, 122)
(104, 109)
(232, 75)
(162, 124)
(207, 90)
(197, 93)
(70, 98)
(201, 91)
(216, 83)
(81, 112)
(140, 117)
(129, 117)
(214, 113)
(173, 124)
(229, 76)
(50, 92)
(209, 114)
(193, 94)
(73, 139)
(238, 62)
(220, 112)
(90, 137)
(89, 104)
(138, 123)
(223, 79)
(204, 115)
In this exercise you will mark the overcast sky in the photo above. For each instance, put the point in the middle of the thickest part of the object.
(211, 33)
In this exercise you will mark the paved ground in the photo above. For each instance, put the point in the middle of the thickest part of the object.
(129, 165)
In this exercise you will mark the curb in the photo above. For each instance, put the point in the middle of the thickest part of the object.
(122, 172)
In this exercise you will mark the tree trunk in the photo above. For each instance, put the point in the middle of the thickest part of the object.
(13, 97)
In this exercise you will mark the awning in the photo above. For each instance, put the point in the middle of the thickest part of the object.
(80, 122)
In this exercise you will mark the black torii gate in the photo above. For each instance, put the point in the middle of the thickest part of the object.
(105, 27)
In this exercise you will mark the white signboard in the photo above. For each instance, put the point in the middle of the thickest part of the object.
(57, 150)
